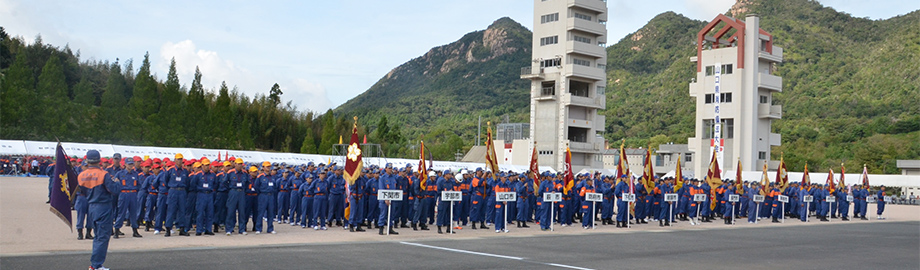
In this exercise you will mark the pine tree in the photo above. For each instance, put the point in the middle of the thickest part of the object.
(17, 99)
(309, 144)
(329, 135)
(114, 95)
(52, 87)
(144, 102)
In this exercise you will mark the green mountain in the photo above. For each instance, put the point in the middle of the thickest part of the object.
(850, 85)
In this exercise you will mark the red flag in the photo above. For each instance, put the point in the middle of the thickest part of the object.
(648, 174)
(764, 181)
(353, 163)
(218, 155)
(422, 169)
(739, 184)
(623, 166)
(714, 178)
(365, 139)
(569, 178)
(842, 172)
(806, 180)
(535, 168)
(830, 181)
(491, 160)
(678, 175)
(865, 177)
(782, 178)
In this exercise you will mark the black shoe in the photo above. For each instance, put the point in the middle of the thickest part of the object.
(393, 231)
(440, 231)
(147, 226)
(414, 226)
(359, 229)
(775, 220)
(833, 216)
(660, 223)
(524, 224)
(864, 218)
(404, 226)
(381, 230)
(197, 234)
(424, 226)
(115, 233)
(89, 234)
(168, 232)
(518, 224)
(645, 222)
(208, 233)
(136, 234)
(483, 226)
(182, 232)
(845, 219)
(118, 231)
(667, 223)
(338, 223)
(474, 227)
(216, 228)
(351, 229)
(79, 234)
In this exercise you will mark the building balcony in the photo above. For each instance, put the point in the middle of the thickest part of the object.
(586, 26)
(776, 139)
(695, 88)
(585, 49)
(530, 74)
(587, 72)
(589, 147)
(776, 56)
(768, 111)
(770, 82)
(597, 103)
(600, 122)
(595, 5)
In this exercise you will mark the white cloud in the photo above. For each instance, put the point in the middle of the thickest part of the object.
(305, 95)
(707, 9)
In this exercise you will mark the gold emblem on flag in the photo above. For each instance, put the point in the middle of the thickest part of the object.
(354, 151)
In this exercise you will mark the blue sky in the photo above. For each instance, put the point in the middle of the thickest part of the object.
(322, 53)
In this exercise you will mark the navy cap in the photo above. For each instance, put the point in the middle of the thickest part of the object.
(92, 156)
(129, 161)
(117, 155)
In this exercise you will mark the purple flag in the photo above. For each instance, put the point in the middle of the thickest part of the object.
(63, 187)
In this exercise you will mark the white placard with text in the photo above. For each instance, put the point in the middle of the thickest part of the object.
(389, 195)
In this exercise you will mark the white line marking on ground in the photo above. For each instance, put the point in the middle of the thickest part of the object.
(490, 255)
(463, 251)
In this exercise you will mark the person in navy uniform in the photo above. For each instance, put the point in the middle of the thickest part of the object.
(221, 181)
(295, 181)
(177, 180)
(842, 203)
(546, 186)
(478, 199)
(81, 205)
(99, 188)
(131, 181)
(499, 218)
(445, 183)
(163, 191)
(265, 187)
(587, 211)
(336, 196)
(320, 190)
(370, 191)
(306, 201)
(880, 201)
(237, 181)
(205, 186)
(356, 202)
(386, 181)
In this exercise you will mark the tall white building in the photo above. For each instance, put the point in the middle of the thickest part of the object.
(743, 56)
(568, 77)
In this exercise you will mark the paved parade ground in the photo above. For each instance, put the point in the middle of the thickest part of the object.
(33, 238)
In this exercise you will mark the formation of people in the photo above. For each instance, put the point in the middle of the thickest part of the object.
(204, 197)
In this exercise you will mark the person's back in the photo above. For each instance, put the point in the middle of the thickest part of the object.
(100, 191)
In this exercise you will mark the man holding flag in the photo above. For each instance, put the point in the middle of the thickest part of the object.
(63, 189)
(100, 190)
(353, 168)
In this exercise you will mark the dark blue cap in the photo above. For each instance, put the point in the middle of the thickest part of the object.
(92, 156)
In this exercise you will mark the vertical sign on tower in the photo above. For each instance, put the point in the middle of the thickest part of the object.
(716, 141)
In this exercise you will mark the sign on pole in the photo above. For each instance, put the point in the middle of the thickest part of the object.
(808, 198)
(783, 198)
(629, 197)
(700, 197)
(594, 197)
(670, 197)
(758, 198)
(734, 198)
(505, 196)
(552, 197)
(850, 198)
(451, 196)
(389, 195)
(831, 198)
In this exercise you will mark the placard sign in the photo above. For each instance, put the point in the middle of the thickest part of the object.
(734, 198)
(629, 197)
(831, 198)
(552, 197)
(783, 198)
(670, 197)
(594, 197)
(700, 197)
(849, 198)
(451, 196)
(887, 199)
(505, 196)
(758, 198)
(808, 198)
(389, 195)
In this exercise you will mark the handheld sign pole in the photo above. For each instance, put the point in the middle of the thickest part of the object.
(733, 198)
(783, 199)
(593, 198)
(506, 197)
(759, 200)
(552, 209)
(829, 200)
(670, 198)
(389, 195)
(808, 199)
(593, 206)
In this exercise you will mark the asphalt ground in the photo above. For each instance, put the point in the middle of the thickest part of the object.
(883, 245)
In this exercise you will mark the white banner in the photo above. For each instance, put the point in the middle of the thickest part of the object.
(594, 197)
(451, 196)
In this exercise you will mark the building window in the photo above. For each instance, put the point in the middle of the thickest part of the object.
(764, 99)
(762, 155)
(578, 88)
(726, 69)
(600, 91)
(583, 16)
(688, 157)
(549, 18)
(710, 71)
(582, 39)
(545, 152)
(727, 132)
(581, 62)
(723, 98)
(549, 40)
(578, 134)
(659, 160)
(548, 88)
(555, 62)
